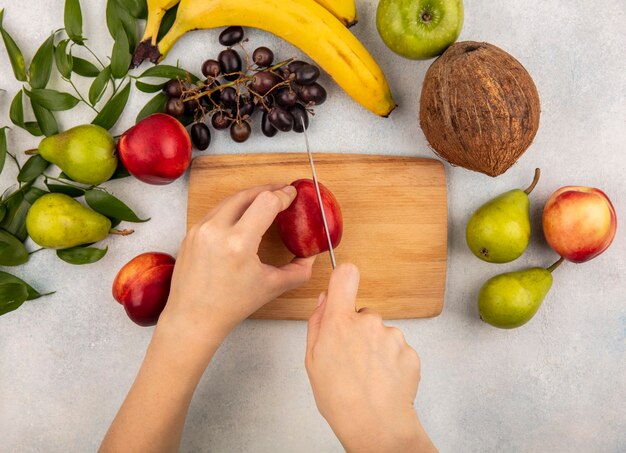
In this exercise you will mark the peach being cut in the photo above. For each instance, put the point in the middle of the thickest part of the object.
(579, 223)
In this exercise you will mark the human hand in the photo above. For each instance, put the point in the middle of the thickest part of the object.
(219, 279)
(364, 375)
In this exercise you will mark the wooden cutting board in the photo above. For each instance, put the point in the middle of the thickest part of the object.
(395, 225)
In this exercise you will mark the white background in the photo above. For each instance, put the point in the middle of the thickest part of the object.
(556, 384)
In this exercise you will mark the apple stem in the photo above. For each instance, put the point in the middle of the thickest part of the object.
(557, 264)
(534, 183)
(31, 152)
(121, 232)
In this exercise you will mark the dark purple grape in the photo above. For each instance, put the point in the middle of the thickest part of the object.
(173, 89)
(246, 106)
(211, 68)
(231, 35)
(307, 74)
(263, 57)
(263, 81)
(240, 131)
(314, 94)
(286, 97)
(299, 114)
(201, 136)
(215, 96)
(280, 119)
(266, 127)
(291, 67)
(174, 107)
(230, 62)
(229, 97)
(220, 120)
(190, 107)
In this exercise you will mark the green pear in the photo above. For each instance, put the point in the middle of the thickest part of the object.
(57, 221)
(84, 153)
(511, 299)
(499, 231)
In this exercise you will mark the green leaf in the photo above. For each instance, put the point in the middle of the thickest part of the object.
(16, 113)
(82, 255)
(109, 206)
(72, 191)
(3, 147)
(45, 119)
(41, 66)
(8, 278)
(63, 59)
(113, 109)
(118, 18)
(12, 296)
(136, 8)
(15, 54)
(168, 72)
(3, 211)
(149, 88)
(154, 105)
(120, 57)
(52, 100)
(33, 167)
(14, 220)
(12, 250)
(73, 17)
(120, 172)
(168, 20)
(32, 194)
(99, 85)
(84, 68)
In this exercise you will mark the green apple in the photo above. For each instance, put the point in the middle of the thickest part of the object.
(419, 29)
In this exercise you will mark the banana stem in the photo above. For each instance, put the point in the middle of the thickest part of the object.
(535, 181)
(555, 265)
(121, 232)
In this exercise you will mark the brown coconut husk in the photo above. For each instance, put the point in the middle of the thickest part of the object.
(479, 107)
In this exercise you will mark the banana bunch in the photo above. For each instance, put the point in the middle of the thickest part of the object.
(304, 23)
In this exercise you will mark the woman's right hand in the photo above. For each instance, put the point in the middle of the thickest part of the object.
(364, 375)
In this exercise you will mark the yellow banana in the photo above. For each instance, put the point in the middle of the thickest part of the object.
(305, 24)
(344, 10)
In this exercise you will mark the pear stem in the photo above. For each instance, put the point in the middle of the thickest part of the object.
(534, 183)
(121, 232)
(557, 264)
(31, 152)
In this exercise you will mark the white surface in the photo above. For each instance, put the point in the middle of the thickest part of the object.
(557, 384)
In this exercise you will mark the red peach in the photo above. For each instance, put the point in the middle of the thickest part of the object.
(157, 150)
(579, 223)
(143, 284)
(300, 226)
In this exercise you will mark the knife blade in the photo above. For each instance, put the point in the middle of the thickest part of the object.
(331, 251)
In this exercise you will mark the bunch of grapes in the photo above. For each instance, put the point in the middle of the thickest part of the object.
(235, 89)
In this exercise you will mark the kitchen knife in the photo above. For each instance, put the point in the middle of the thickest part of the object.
(319, 196)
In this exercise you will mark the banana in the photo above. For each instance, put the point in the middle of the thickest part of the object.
(156, 11)
(303, 23)
(344, 10)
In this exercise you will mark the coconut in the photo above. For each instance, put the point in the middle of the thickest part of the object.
(479, 107)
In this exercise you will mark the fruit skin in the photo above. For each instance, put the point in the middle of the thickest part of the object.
(579, 223)
(510, 300)
(85, 153)
(344, 10)
(303, 23)
(300, 226)
(419, 29)
(499, 231)
(57, 221)
(142, 286)
(157, 150)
